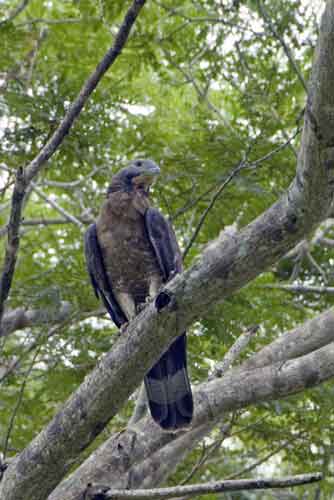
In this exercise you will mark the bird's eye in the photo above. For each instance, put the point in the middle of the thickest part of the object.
(139, 163)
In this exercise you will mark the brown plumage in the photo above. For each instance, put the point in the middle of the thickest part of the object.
(131, 251)
(129, 259)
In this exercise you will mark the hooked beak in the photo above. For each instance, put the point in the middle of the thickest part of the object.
(149, 173)
(151, 169)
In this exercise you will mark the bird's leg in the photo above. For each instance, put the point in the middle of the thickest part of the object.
(123, 327)
(154, 287)
(128, 306)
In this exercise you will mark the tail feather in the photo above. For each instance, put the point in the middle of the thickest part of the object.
(168, 388)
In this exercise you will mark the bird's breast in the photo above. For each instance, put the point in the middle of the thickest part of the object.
(128, 257)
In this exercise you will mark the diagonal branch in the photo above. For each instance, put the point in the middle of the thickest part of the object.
(24, 178)
(284, 45)
(15, 12)
(13, 240)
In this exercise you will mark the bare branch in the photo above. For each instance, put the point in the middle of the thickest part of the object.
(281, 40)
(304, 339)
(19, 318)
(302, 288)
(234, 352)
(57, 207)
(239, 388)
(102, 493)
(15, 12)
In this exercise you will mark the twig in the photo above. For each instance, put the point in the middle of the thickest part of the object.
(302, 288)
(213, 200)
(72, 184)
(234, 352)
(286, 49)
(58, 208)
(243, 165)
(18, 404)
(23, 179)
(262, 460)
(15, 12)
(68, 20)
(225, 432)
(316, 266)
(103, 493)
(46, 222)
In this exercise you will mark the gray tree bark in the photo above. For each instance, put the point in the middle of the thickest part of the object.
(140, 457)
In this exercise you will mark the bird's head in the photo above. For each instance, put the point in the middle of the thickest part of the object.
(137, 177)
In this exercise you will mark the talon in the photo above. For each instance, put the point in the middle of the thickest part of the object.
(123, 327)
(142, 305)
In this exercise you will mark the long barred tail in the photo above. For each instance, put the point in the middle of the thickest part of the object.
(168, 388)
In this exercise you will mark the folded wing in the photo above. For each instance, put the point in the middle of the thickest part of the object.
(167, 383)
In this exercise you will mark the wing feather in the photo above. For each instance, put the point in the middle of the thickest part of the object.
(167, 383)
(164, 243)
(99, 278)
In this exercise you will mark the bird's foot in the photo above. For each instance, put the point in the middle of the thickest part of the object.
(142, 305)
(123, 327)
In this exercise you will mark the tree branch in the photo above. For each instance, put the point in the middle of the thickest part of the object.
(19, 318)
(57, 207)
(285, 47)
(303, 288)
(102, 493)
(224, 267)
(13, 240)
(233, 353)
(15, 12)
(25, 177)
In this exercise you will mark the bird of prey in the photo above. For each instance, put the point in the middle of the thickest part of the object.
(131, 251)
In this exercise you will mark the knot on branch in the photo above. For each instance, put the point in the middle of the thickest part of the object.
(163, 300)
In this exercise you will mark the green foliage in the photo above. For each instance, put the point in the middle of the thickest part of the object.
(200, 87)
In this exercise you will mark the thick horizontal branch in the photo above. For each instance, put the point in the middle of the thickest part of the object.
(19, 318)
(202, 489)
